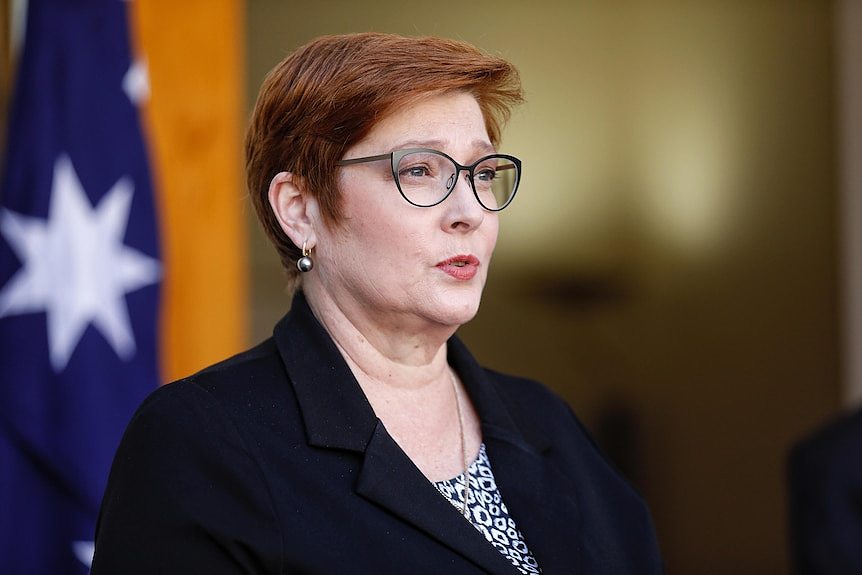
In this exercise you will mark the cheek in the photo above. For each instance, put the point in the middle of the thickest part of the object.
(385, 225)
(491, 231)
(396, 241)
(372, 235)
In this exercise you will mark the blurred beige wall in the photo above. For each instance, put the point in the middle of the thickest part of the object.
(848, 54)
(670, 263)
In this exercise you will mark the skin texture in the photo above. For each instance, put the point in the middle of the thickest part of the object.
(378, 287)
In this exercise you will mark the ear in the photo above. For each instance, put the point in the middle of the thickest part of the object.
(293, 208)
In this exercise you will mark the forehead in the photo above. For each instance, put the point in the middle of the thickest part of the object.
(448, 122)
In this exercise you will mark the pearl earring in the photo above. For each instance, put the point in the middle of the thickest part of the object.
(304, 264)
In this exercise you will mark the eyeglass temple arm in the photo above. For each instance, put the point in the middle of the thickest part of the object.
(363, 160)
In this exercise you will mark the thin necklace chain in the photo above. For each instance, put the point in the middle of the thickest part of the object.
(464, 508)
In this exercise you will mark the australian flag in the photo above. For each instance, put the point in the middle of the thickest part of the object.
(79, 279)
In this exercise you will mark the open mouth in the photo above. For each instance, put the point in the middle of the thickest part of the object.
(461, 267)
(460, 261)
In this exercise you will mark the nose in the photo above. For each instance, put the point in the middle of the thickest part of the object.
(462, 210)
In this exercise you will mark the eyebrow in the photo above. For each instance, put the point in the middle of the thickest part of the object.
(481, 146)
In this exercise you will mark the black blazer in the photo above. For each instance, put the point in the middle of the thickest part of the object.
(274, 462)
(825, 473)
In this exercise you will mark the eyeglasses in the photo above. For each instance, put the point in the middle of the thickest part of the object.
(426, 177)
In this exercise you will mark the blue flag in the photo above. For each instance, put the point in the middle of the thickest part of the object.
(79, 280)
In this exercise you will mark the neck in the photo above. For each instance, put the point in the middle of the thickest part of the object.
(406, 378)
(398, 352)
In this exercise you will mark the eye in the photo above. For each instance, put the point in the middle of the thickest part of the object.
(414, 172)
(485, 174)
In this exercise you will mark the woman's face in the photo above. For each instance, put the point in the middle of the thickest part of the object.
(397, 263)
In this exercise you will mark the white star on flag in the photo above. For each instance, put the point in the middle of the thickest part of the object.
(75, 265)
(136, 82)
(84, 551)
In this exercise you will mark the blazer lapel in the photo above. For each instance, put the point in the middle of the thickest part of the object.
(541, 502)
(540, 499)
(389, 479)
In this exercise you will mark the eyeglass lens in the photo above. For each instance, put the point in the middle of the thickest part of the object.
(425, 178)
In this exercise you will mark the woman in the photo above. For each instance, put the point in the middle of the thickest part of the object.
(363, 437)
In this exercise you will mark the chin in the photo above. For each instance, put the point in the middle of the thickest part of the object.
(459, 310)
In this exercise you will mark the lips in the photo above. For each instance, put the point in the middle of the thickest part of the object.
(460, 267)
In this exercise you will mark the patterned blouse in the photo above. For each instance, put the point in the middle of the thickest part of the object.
(488, 513)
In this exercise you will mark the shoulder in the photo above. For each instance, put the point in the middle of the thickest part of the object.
(523, 390)
(258, 367)
(831, 450)
(195, 402)
(227, 403)
(187, 479)
(548, 422)
(824, 480)
(535, 408)
(248, 378)
(604, 495)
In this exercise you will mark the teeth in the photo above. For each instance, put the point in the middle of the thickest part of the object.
(459, 264)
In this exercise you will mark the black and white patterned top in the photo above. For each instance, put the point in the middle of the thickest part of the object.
(488, 513)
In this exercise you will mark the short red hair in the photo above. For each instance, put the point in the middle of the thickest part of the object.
(328, 94)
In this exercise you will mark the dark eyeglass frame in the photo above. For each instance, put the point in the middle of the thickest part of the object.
(396, 156)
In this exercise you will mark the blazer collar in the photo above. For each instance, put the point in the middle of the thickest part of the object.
(336, 414)
(335, 411)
